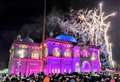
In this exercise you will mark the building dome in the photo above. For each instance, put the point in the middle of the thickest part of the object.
(66, 38)
(27, 39)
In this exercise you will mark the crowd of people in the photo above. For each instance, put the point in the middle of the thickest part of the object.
(71, 77)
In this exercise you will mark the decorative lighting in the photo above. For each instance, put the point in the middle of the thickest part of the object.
(65, 70)
(68, 45)
(69, 70)
(23, 46)
(58, 70)
(55, 70)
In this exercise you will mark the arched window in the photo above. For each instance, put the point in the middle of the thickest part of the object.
(56, 52)
(67, 53)
(85, 53)
(35, 55)
(93, 56)
(21, 53)
(86, 66)
(76, 53)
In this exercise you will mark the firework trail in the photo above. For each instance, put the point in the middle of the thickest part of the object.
(89, 25)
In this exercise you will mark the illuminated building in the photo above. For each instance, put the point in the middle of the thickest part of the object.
(61, 54)
(25, 57)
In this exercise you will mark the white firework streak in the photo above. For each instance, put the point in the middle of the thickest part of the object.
(93, 26)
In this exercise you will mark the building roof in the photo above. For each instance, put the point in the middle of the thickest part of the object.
(68, 38)
(24, 39)
(27, 39)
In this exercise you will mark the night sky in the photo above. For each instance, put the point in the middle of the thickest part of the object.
(19, 16)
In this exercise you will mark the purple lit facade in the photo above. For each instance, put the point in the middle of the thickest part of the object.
(25, 58)
(59, 57)
(70, 58)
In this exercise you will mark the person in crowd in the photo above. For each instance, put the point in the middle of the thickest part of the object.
(72, 77)
(46, 79)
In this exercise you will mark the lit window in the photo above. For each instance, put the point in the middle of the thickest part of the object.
(52, 70)
(77, 53)
(67, 53)
(85, 53)
(35, 55)
(21, 53)
(55, 70)
(93, 57)
(56, 52)
(23, 46)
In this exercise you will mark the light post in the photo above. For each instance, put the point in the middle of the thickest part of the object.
(44, 22)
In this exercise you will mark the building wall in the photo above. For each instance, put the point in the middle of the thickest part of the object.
(26, 66)
(65, 57)
(59, 57)
(26, 58)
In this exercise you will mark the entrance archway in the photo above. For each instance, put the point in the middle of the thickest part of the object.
(86, 67)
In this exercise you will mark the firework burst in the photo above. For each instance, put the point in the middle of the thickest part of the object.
(89, 25)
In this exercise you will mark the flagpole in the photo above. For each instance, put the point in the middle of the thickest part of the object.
(44, 22)
(43, 34)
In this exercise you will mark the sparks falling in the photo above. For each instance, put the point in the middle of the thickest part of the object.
(89, 25)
